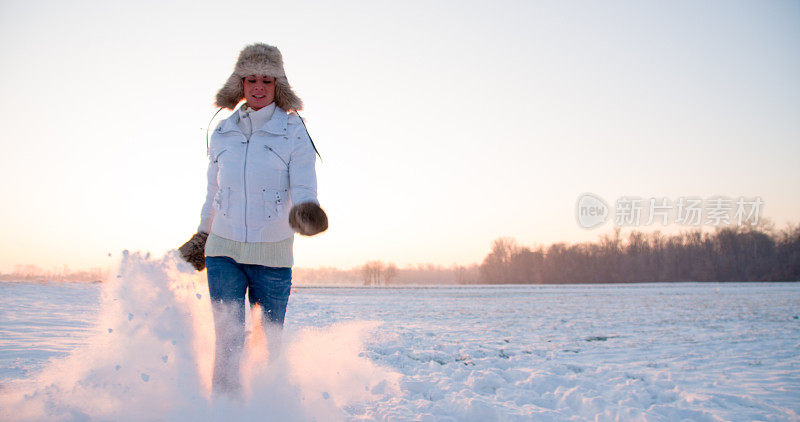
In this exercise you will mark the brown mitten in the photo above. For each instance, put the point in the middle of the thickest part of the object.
(308, 219)
(194, 251)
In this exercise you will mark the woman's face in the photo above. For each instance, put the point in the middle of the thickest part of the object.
(259, 91)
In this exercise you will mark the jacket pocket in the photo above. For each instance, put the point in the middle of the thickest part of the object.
(279, 154)
(216, 154)
(273, 203)
(221, 200)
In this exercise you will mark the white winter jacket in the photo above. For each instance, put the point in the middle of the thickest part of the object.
(252, 185)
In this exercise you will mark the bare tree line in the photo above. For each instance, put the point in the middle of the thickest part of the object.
(376, 273)
(379, 273)
(730, 253)
(35, 273)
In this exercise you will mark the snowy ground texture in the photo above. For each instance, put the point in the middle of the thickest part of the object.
(141, 345)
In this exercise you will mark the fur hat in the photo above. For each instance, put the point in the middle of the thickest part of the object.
(259, 59)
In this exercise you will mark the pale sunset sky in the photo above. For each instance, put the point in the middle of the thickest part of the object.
(442, 125)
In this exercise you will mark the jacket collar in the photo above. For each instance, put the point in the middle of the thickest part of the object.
(277, 125)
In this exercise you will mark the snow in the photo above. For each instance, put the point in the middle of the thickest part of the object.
(141, 347)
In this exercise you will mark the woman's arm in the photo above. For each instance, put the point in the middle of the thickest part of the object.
(306, 217)
(208, 211)
(193, 251)
(302, 174)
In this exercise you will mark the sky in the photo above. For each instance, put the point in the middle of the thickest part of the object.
(442, 125)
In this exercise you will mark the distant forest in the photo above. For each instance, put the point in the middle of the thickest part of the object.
(731, 253)
(34, 273)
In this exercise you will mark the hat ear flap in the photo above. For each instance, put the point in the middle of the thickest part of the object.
(231, 93)
(285, 97)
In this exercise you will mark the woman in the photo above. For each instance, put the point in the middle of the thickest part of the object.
(262, 188)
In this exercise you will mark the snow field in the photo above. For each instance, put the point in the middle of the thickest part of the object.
(479, 353)
(649, 352)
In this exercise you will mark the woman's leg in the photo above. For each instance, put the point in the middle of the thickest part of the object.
(227, 284)
(270, 288)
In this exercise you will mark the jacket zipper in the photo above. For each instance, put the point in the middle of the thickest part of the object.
(277, 155)
(244, 186)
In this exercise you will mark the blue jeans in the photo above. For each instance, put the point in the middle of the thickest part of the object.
(228, 281)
